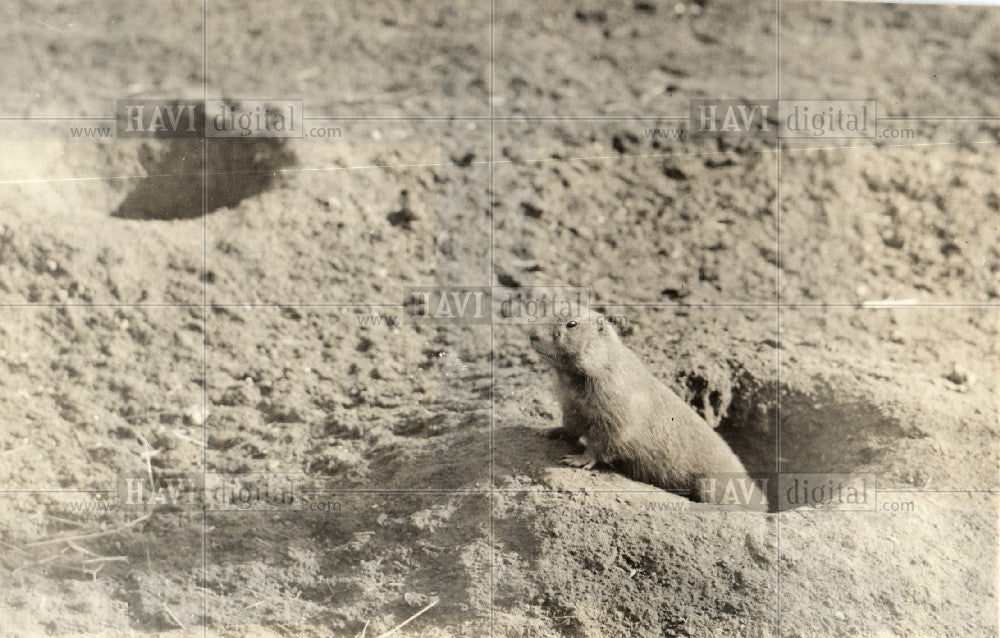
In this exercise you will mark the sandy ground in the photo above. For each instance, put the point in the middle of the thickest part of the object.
(140, 335)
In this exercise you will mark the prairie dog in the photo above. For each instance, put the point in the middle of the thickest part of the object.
(630, 419)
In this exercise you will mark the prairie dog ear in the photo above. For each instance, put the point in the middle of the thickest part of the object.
(604, 328)
(609, 330)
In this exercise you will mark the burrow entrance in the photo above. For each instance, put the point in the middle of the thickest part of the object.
(820, 434)
(179, 174)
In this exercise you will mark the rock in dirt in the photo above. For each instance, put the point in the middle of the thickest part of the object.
(464, 160)
(508, 280)
(196, 414)
(675, 290)
(960, 376)
(596, 16)
(404, 216)
(674, 173)
(530, 210)
(622, 142)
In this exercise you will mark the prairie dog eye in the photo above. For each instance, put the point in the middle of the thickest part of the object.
(572, 324)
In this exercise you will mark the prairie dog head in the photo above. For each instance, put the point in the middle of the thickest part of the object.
(577, 346)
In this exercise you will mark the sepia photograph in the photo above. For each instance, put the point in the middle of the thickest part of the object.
(500, 318)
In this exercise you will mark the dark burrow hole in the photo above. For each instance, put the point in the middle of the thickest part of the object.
(820, 434)
(234, 170)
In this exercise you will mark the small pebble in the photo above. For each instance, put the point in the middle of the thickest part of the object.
(417, 600)
(960, 376)
(196, 414)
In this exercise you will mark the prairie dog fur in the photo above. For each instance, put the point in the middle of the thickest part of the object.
(630, 419)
